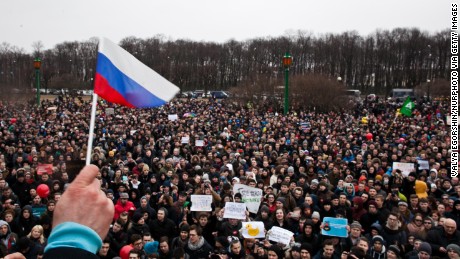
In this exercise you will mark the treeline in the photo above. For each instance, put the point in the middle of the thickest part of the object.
(400, 58)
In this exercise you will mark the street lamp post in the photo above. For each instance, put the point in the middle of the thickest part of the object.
(287, 62)
(37, 65)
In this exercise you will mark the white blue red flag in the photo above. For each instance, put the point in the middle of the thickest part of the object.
(122, 79)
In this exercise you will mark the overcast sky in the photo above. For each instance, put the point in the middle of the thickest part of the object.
(23, 22)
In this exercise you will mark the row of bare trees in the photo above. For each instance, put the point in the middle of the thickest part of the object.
(374, 63)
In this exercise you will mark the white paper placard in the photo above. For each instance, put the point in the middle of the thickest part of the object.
(423, 164)
(280, 235)
(253, 229)
(201, 202)
(172, 117)
(405, 168)
(235, 210)
(185, 140)
(199, 143)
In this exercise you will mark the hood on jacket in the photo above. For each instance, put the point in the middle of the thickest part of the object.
(359, 202)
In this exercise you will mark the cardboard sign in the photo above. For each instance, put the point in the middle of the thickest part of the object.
(201, 202)
(253, 229)
(280, 235)
(336, 227)
(405, 168)
(252, 197)
(235, 210)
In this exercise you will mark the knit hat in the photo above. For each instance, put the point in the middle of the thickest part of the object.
(403, 203)
(425, 247)
(278, 251)
(314, 182)
(281, 199)
(184, 228)
(124, 195)
(395, 249)
(372, 202)
(136, 217)
(238, 195)
(376, 226)
(356, 224)
(434, 186)
(290, 169)
(454, 248)
(308, 247)
(151, 247)
(377, 238)
(264, 208)
(315, 215)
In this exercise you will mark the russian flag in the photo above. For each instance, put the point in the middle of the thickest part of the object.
(122, 79)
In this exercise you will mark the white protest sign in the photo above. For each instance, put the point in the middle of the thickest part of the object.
(405, 168)
(109, 111)
(254, 229)
(235, 210)
(199, 143)
(185, 140)
(172, 117)
(280, 235)
(250, 196)
(201, 202)
(449, 120)
(423, 164)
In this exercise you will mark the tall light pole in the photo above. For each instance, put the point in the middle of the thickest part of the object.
(37, 65)
(287, 62)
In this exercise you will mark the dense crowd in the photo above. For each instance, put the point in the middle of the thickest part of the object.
(310, 165)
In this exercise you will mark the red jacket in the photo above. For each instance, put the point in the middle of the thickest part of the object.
(119, 208)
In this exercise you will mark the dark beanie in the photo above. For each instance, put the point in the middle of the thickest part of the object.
(184, 227)
(264, 208)
(136, 217)
(277, 250)
(308, 247)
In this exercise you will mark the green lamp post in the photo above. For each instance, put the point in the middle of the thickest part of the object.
(287, 62)
(37, 65)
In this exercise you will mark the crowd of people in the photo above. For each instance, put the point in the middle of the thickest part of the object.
(310, 165)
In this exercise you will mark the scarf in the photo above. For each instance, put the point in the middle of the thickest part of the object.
(196, 246)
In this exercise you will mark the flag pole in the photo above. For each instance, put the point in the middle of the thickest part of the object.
(391, 126)
(91, 129)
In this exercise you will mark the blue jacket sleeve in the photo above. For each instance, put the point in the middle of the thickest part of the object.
(74, 235)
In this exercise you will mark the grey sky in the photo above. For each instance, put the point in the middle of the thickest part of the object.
(23, 22)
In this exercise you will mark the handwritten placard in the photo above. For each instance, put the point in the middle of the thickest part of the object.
(280, 235)
(405, 168)
(250, 196)
(423, 164)
(172, 117)
(201, 202)
(253, 229)
(235, 210)
(336, 227)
